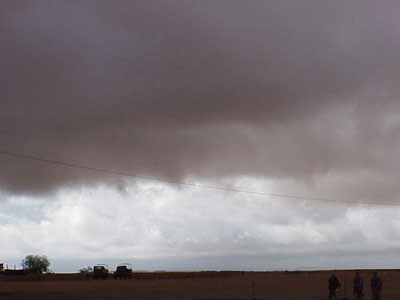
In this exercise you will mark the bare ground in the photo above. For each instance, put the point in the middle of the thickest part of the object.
(194, 285)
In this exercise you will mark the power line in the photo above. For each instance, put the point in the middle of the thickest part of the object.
(219, 188)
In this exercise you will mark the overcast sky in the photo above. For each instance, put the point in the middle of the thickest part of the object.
(290, 97)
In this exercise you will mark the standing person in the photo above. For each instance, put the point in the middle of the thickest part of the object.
(376, 287)
(333, 285)
(358, 285)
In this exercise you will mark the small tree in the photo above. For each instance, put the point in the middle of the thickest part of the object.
(36, 264)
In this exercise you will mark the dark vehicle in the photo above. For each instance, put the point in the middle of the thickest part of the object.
(100, 271)
(123, 271)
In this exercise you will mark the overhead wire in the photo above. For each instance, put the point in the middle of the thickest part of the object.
(190, 184)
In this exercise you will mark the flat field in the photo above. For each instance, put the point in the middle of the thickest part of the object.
(195, 285)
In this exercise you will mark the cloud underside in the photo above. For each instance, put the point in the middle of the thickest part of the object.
(304, 92)
(289, 97)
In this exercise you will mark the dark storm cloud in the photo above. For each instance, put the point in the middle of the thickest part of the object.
(172, 89)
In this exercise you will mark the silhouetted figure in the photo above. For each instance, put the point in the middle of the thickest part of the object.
(358, 286)
(376, 287)
(334, 284)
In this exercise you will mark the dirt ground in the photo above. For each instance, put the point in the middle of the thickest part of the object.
(195, 285)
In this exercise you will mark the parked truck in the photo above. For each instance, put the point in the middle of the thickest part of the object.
(123, 271)
(100, 271)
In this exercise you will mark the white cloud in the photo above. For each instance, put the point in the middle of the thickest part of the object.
(150, 221)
